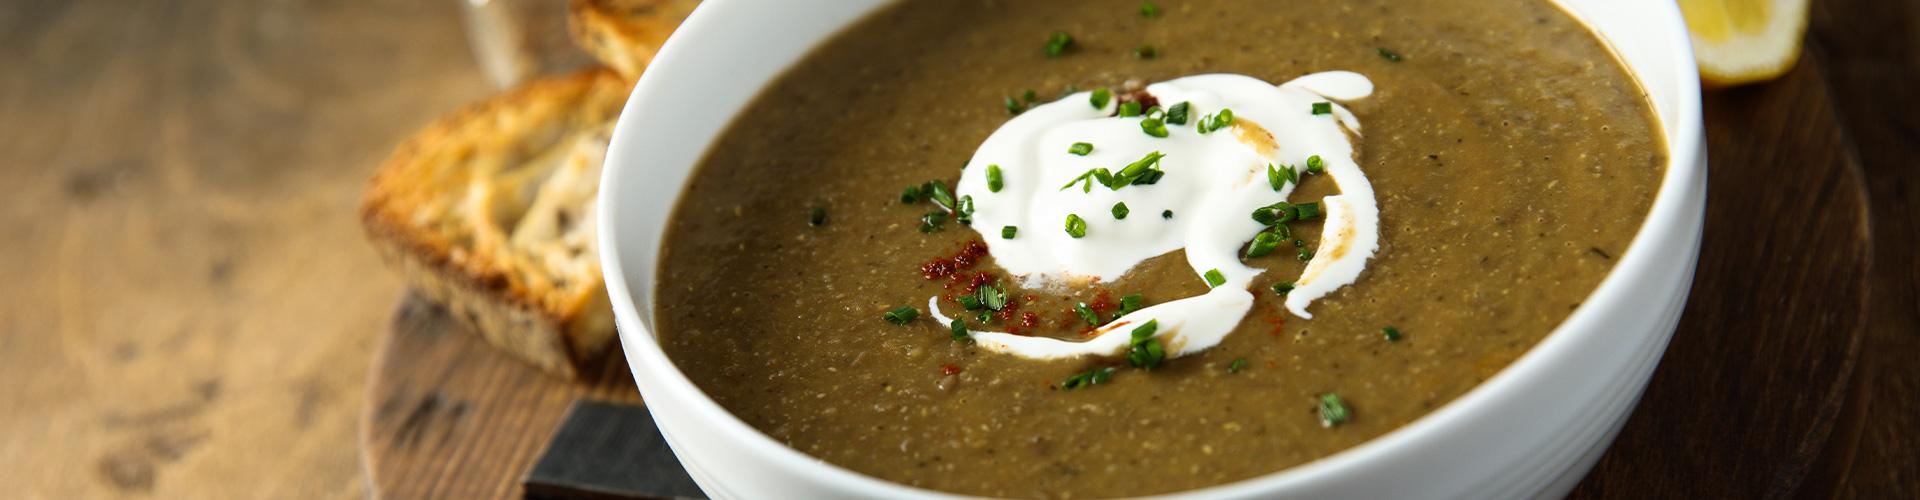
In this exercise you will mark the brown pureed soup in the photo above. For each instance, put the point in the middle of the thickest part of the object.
(1512, 156)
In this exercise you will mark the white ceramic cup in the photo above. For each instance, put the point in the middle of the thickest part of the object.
(1532, 430)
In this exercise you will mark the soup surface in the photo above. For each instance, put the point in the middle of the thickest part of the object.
(1512, 156)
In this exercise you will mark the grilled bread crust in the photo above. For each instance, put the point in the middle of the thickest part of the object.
(625, 34)
(490, 211)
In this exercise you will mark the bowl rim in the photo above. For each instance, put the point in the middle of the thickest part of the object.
(1683, 177)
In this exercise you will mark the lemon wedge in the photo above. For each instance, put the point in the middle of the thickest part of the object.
(1744, 41)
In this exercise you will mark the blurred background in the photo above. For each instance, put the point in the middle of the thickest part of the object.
(189, 309)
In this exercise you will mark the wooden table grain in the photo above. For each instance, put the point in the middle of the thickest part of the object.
(189, 311)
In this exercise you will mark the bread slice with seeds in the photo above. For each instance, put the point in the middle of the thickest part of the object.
(490, 211)
(625, 34)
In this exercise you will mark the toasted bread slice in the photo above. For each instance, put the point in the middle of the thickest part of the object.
(490, 211)
(625, 34)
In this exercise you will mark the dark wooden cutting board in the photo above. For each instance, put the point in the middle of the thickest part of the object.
(1758, 395)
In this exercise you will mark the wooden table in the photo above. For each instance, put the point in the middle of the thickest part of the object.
(190, 312)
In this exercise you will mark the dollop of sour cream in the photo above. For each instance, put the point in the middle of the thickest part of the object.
(1203, 202)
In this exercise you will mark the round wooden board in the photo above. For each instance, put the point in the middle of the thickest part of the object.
(1753, 398)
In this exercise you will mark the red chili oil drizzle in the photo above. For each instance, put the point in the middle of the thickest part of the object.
(949, 369)
(968, 256)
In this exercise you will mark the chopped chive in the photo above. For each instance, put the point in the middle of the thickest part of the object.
(1149, 10)
(1389, 55)
(1087, 314)
(1215, 279)
(1299, 244)
(1008, 232)
(1223, 119)
(1305, 254)
(1205, 126)
(1166, 214)
(1129, 304)
(960, 329)
(1154, 127)
(818, 217)
(1145, 51)
(1177, 114)
(1322, 108)
(1087, 378)
(1058, 43)
(1145, 351)
(963, 212)
(1237, 365)
(937, 191)
(994, 179)
(1013, 106)
(910, 195)
(1283, 231)
(1028, 96)
(1120, 211)
(968, 302)
(993, 297)
(1155, 112)
(1080, 149)
(901, 315)
(933, 221)
(1263, 244)
(1306, 211)
(1275, 214)
(1100, 98)
(1129, 109)
(1275, 178)
(1392, 334)
(1293, 174)
(1076, 226)
(1333, 411)
(1282, 287)
(1316, 165)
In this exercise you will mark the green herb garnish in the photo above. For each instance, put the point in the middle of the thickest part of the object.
(1263, 244)
(1087, 378)
(1028, 96)
(933, 221)
(1080, 149)
(1177, 114)
(1276, 177)
(1058, 43)
(1145, 51)
(995, 181)
(1076, 226)
(1333, 411)
(960, 329)
(1275, 214)
(901, 315)
(1154, 127)
(1120, 211)
(968, 302)
(1305, 254)
(1145, 351)
(1215, 279)
(1322, 108)
(1149, 10)
(937, 191)
(1283, 287)
(1315, 165)
(1129, 109)
(910, 195)
(1014, 107)
(818, 217)
(1008, 232)
(1237, 365)
(1143, 172)
(1392, 334)
(1389, 55)
(993, 297)
(1086, 314)
(1210, 123)
(1306, 211)
(1129, 304)
(1166, 214)
(1100, 98)
(963, 212)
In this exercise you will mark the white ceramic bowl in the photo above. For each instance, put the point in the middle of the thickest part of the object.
(1532, 430)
